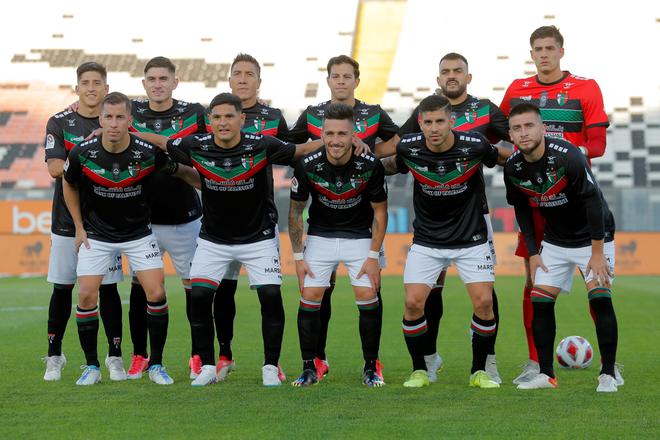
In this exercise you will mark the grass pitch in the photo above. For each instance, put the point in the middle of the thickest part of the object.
(338, 407)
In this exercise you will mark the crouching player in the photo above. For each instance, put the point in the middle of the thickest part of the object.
(555, 176)
(104, 186)
(347, 223)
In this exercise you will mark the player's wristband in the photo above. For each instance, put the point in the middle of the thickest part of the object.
(298, 256)
(374, 254)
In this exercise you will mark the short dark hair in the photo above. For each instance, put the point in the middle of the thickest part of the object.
(248, 59)
(547, 32)
(116, 98)
(434, 102)
(160, 62)
(226, 98)
(524, 107)
(345, 59)
(454, 56)
(338, 111)
(92, 66)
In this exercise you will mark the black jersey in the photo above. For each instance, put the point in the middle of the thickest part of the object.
(473, 114)
(236, 193)
(63, 132)
(175, 202)
(341, 195)
(562, 185)
(448, 192)
(113, 188)
(264, 120)
(371, 123)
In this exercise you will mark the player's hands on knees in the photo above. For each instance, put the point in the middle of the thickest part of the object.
(536, 262)
(371, 268)
(81, 239)
(601, 270)
(302, 269)
(359, 146)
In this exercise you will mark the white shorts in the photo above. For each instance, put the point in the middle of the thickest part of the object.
(179, 241)
(63, 261)
(424, 264)
(491, 243)
(143, 254)
(261, 259)
(561, 263)
(323, 255)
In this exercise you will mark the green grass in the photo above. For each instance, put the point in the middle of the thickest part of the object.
(339, 407)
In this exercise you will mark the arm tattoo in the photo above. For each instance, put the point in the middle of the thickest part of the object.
(296, 209)
(389, 163)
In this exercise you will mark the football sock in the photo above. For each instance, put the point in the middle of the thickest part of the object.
(600, 299)
(496, 312)
(528, 315)
(137, 319)
(201, 318)
(272, 322)
(544, 328)
(326, 312)
(224, 312)
(158, 318)
(110, 308)
(59, 311)
(433, 309)
(415, 335)
(188, 291)
(370, 326)
(88, 329)
(309, 323)
(483, 335)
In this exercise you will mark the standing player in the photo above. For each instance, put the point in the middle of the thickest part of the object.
(572, 109)
(175, 206)
(260, 119)
(106, 178)
(552, 175)
(371, 123)
(470, 114)
(63, 132)
(449, 227)
(234, 170)
(347, 223)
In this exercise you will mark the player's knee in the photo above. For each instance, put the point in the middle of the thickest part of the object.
(414, 305)
(483, 306)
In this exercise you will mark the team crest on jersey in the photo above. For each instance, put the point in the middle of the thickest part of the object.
(259, 125)
(552, 175)
(360, 125)
(562, 98)
(227, 164)
(462, 165)
(356, 182)
(134, 169)
(543, 100)
(177, 124)
(115, 171)
(471, 116)
(247, 162)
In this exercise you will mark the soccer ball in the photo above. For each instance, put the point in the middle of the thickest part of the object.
(575, 352)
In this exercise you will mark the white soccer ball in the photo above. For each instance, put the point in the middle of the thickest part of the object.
(575, 352)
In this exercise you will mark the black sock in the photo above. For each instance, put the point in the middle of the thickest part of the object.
(193, 349)
(137, 319)
(325, 314)
(110, 308)
(370, 327)
(224, 312)
(59, 311)
(496, 312)
(201, 319)
(309, 323)
(272, 322)
(414, 333)
(544, 328)
(483, 331)
(600, 299)
(88, 330)
(433, 309)
(158, 319)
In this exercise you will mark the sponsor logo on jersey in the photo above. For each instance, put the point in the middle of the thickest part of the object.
(72, 122)
(158, 125)
(50, 141)
(294, 185)
(359, 165)
(442, 169)
(526, 83)
(339, 183)
(141, 110)
(414, 152)
(227, 164)
(115, 171)
(93, 154)
(176, 141)
(543, 99)
(568, 85)
(319, 167)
